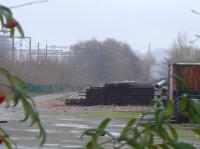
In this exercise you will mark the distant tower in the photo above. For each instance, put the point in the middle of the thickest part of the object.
(149, 48)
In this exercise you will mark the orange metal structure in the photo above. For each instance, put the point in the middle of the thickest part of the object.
(190, 72)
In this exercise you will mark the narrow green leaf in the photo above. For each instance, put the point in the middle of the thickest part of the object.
(20, 30)
(89, 145)
(127, 128)
(6, 11)
(26, 110)
(162, 132)
(7, 74)
(2, 20)
(181, 145)
(7, 143)
(197, 131)
(173, 132)
(170, 108)
(151, 140)
(20, 83)
(162, 146)
(104, 124)
(17, 97)
(196, 107)
(182, 104)
(12, 32)
(182, 83)
(160, 116)
(34, 115)
(42, 134)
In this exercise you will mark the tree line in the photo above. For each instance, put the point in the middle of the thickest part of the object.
(91, 62)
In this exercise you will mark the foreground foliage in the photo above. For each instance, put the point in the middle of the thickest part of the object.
(158, 133)
(13, 88)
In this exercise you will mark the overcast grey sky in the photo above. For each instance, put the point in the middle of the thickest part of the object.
(138, 22)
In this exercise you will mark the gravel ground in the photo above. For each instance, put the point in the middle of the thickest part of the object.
(59, 105)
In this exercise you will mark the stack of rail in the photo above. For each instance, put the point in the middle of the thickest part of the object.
(117, 94)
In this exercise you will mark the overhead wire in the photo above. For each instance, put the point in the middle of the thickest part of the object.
(27, 4)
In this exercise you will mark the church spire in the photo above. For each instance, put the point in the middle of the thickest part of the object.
(149, 48)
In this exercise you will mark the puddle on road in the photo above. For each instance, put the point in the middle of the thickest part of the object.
(31, 130)
(73, 126)
(71, 146)
(76, 131)
(72, 131)
(66, 119)
(54, 131)
(51, 145)
(121, 126)
(23, 138)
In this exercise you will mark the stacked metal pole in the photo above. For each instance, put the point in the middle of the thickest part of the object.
(119, 94)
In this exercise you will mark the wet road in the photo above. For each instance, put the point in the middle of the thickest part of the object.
(63, 128)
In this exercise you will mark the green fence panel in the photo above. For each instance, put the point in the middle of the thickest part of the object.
(31, 87)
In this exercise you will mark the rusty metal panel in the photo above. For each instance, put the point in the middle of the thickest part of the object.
(191, 75)
(189, 72)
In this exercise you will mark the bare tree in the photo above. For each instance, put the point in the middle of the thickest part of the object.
(105, 61)
(182, 51)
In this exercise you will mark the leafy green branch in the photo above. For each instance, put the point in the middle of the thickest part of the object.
(9, 22)
(16, 85)
(18, 88)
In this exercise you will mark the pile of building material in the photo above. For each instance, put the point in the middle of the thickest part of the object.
(76, 99)
(122, 93)
(161, 90)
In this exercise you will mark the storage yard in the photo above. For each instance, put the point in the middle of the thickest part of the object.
(67, 115)
(132, 93)
(86, 76)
